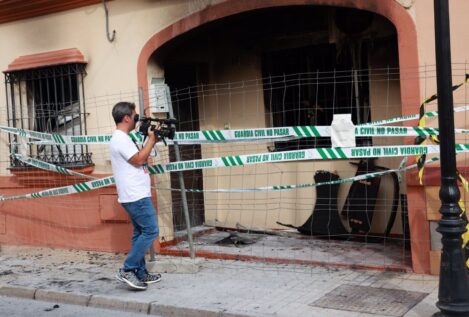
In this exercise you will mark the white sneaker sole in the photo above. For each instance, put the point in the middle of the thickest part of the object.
(119, 278)
(130, 283)
(152, 282)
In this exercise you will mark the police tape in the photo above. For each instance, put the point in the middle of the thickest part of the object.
(239, 135)
(302, 155)
(283, 133)
(421, 159)
(58, 169)
(285, 156)
(304, 185)
(49, 167)
(410, 117)
(59, 139)
(420, 140)
(65, 190)
(422, 113)
(108, 181)
(55, 138)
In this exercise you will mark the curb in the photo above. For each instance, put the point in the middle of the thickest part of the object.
(103, 301)
(108, 302)
(16, 291)
(172, 311)
(65, 298)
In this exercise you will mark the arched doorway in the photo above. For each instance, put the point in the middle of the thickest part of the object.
(390, 9)
(407, 60)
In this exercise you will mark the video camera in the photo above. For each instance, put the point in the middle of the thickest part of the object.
(167, 127)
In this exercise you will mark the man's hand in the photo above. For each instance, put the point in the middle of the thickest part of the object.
(151, 133)
(141, 157)
(152, 137)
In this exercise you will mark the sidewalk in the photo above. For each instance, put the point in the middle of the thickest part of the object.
(219, 288)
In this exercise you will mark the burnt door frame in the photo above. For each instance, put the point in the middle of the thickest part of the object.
(182, 81)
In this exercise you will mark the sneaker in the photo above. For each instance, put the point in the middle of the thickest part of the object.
(151, 278)
(131, 279)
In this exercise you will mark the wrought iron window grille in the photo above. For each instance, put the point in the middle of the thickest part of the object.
(52, 100)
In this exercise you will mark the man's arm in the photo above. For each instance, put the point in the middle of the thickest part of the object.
(141, 157)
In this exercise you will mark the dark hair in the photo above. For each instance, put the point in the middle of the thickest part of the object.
(122, 109)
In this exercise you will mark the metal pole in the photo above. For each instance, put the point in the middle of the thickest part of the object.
(141, 107)
(453, 293)
(141, 104)
(181, 183)
(8, 78)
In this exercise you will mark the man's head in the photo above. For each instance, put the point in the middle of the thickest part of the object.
(124, 115)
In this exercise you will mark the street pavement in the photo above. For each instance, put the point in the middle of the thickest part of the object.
(45, 277)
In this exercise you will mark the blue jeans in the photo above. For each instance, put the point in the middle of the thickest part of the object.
(143, 217)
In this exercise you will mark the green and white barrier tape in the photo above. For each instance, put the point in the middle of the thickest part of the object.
(53, 138)
(304, 185)
(289, 156)
(58, 169)
(65, 190)
(249, 135)
(412, 117)
(242, 135)
(108, 181)
(289, 133)
(239, 160)
(49, 167)
(302, 155)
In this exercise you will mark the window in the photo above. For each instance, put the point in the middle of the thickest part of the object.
(49, 99)
(308, 85)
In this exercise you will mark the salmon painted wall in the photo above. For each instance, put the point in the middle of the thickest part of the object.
(89, 221)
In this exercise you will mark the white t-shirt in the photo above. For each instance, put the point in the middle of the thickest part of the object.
(132, 182)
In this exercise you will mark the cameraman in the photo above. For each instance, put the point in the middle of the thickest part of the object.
(129, 166)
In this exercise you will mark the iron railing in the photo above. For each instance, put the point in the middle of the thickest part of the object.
(49, 99)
